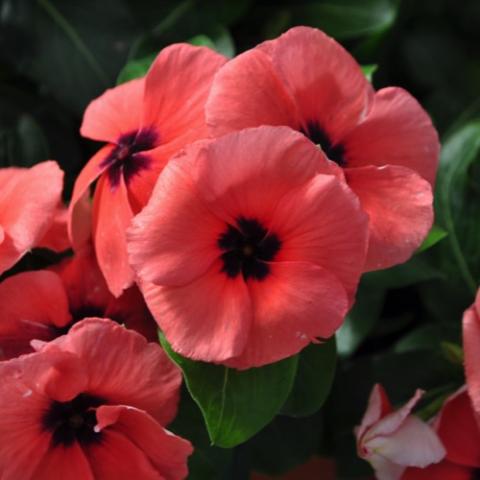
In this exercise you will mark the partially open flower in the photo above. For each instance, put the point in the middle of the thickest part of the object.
(392, 440)
(384, 140)
(250, 248)
(29, 201)
(144, 122)
(44, 305)
(458, 429)
(91, 405)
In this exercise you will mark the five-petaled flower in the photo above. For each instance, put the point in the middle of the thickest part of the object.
(250, 247)
(144, 122)
(91, 405)
(392, 440)
(384, 140)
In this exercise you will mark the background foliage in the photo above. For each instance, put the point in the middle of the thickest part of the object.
(404, 331)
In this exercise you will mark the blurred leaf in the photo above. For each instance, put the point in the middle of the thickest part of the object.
(453, 352)
(135, 69)
(207, 462)
(73, 49)
(32, 146)
(362, 318)
(316, 369)
(285, 443)
(236, 404)
(219, 39)
(344, 19)
(435, 235)
(369, 70)
(458, 202)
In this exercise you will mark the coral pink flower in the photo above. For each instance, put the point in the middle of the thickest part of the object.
(144, 122)
(393, 440)
(250, 248)
(384, 141)
(45, 304)
(458, 429)
(29, 199)
(471, 346)
(91, 405)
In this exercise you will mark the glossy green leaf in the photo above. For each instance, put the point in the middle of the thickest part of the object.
(435, 235)
(315, 373)
(458, 202)
(236, 404)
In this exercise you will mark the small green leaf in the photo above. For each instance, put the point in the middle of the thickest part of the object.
(135, 69)
(236, 404)
(316, 370)
(369, 70)
(452, 352)
(436, 234)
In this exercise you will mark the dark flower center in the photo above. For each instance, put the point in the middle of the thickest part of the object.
(247, 247)
(73, 421)
(317, 135)
(128, 156)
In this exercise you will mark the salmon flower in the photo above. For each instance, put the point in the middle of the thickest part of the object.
(45, 304)
(250, 248)
(458, 428)
(384, 140)
(471, 346)
(91, 405)
(391, 440)
(29, 201)
(143, 122)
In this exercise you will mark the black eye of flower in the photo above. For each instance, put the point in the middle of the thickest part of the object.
(247, 247)
(128, 156)
(73, 421)
(317, 135)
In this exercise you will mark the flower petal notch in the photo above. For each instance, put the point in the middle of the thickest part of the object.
(230, 273)
(29, 202)
(100, 412)
(392, 440)
(307, 81)
(143, 123)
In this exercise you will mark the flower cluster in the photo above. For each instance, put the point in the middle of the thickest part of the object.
(235, 205)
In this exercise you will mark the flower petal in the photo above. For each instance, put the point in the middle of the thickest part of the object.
(167, 452)
(29, 199)
(322, 223)
(174, 239)
(443, 470)
(115, 112)
(413, 444)
(265, 163)
(294, 305)
(123, 368)
(399, 204)
(79, 220)
(471, 346)
(247, 92)
(458, 428)
(323, 78)
(208, 319)
(396, 131)
(176, 89)
(112, 216)
(60, 462)
(32, 306)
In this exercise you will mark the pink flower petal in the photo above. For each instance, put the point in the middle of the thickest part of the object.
(399, 204)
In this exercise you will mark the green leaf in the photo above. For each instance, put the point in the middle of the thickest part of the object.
(135, 69)
(218, 39)
(369, 70)
(346, 19)
(435, 235)
(316, 370)
(74, 50)
(458, 203)
(236, 404)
